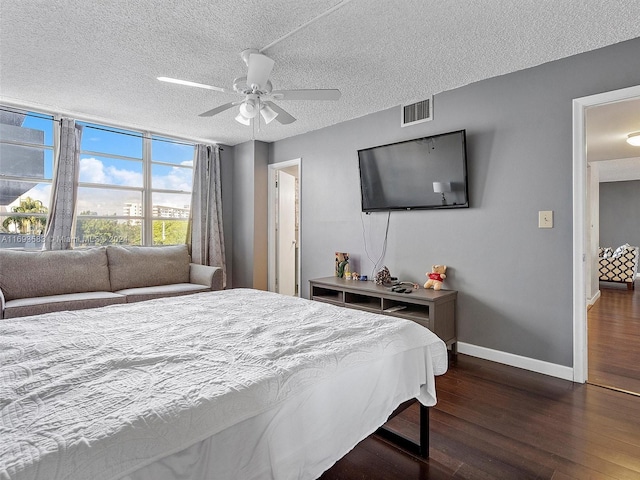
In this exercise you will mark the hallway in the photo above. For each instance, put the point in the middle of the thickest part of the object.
(614, 339)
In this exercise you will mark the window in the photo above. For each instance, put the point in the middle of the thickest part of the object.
(171, 185)
(111, 177)
(135, 189)
(26, 168)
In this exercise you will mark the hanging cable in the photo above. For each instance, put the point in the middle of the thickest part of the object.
(384, 244)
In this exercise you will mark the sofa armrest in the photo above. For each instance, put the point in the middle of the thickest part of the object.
(620, 268)
(636, 261)
(206, 275)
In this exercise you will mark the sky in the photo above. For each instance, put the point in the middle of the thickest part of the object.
(100, 169)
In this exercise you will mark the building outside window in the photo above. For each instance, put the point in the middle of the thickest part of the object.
(26, 168)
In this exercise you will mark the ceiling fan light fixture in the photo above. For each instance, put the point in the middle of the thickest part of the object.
(257, 92)
(634, 139)
(268, 114)
(249, 108)
(243, 120)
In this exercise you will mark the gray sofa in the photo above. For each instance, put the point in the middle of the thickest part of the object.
(47, 281)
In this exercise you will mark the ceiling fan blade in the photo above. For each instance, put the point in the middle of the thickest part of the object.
(219, 109)
(260, 67)
(193, 84)
(283, 117)
(317, 94)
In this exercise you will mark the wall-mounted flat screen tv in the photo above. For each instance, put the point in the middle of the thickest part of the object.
(423, 173)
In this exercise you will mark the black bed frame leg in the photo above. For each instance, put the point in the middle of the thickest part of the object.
(423, 449)
(420, 449)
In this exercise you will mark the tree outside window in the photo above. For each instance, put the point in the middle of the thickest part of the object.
(26, 224)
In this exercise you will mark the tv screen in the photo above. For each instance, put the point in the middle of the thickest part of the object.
(424, 173)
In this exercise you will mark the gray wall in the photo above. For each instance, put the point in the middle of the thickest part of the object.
(515, 280)
(260, 216)
(249, 195)
(619, 213)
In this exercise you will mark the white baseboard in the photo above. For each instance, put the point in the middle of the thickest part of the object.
(539, 366)
(594, 299)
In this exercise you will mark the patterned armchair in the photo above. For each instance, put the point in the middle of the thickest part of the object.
(620, 265)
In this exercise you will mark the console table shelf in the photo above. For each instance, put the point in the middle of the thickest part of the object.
(432, 309)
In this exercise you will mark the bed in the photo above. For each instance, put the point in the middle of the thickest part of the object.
(232, 384)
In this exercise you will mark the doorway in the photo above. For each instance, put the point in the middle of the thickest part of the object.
(284, 228)
(582, 231)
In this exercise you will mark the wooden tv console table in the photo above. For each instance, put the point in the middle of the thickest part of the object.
(435, 310)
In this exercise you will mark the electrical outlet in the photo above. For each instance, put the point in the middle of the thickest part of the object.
(545, 219)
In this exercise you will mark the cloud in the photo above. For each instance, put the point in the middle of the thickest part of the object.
(176, 179)
(92, 171)
(172, 199)
(109, 201)
(127, 178)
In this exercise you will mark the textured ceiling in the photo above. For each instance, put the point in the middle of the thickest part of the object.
(99, 60)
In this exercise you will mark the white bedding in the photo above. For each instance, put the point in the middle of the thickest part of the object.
(231, 384)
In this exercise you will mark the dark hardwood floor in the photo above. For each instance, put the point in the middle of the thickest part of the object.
(498, 422)
(614, 338)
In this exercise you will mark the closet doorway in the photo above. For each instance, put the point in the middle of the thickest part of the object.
(284, 228)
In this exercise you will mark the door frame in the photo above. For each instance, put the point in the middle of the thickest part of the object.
(580, 223)
(271, 216)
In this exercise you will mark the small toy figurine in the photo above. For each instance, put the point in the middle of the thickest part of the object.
(355, 276)
(383, 277)
(342, 264)
(436, 277)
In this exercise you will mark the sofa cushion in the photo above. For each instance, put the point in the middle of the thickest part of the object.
(605, 252)
(620, 250)
(161, 291)
(133, 267)
(23, 307)
(55, 272)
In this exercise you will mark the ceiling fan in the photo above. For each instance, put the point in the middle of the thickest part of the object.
(258, 92)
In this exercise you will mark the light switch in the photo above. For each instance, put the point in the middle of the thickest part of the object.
(545, 219)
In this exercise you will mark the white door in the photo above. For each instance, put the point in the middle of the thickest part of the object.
(286, 234)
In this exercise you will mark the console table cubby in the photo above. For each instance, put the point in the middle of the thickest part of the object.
(435, 310)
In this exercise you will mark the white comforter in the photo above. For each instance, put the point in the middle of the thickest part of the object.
(97, 394)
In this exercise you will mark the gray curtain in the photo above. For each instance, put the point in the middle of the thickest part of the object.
(65, 188)
(206, 236)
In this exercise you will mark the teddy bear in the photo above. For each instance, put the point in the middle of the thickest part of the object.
(436, 277)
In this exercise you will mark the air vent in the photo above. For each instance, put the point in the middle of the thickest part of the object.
(418, 112)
